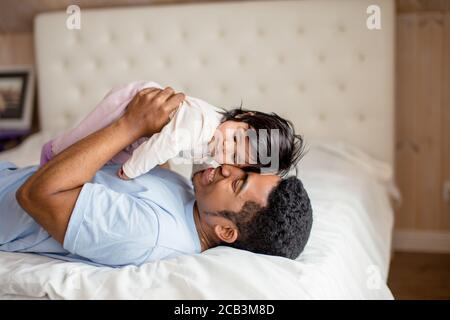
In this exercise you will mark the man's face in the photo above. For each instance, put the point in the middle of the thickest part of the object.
(229, 188)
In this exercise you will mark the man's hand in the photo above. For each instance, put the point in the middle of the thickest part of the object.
(150, 109)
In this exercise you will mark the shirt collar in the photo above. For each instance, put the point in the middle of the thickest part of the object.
(189, 209)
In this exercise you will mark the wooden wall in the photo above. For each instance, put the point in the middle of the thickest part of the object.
(446, 113)
(422, 118)
(16, 48)
(409, 6)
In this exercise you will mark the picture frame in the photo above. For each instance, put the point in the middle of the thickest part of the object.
(16, 98)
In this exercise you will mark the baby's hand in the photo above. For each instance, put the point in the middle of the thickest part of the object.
(121, 174)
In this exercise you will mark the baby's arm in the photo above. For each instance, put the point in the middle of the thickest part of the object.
(107, 111)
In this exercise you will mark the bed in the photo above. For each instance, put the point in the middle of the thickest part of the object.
(323, 69)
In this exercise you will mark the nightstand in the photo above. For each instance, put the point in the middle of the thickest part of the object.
(12, 138)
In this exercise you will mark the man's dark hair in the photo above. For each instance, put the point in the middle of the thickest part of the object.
(281, 228)
(290, 144)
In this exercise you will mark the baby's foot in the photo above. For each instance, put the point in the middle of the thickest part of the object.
(121, 174)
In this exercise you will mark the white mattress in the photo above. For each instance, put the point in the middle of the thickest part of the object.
(347, 256)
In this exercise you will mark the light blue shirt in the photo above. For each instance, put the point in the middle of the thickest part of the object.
(114, 222)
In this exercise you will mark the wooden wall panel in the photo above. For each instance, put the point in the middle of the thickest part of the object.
(419, 120)
(428, 122)
(406, 149)
(16, 49)
(404, 6)
(445, 221)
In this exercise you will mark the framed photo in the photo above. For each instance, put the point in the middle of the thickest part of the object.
(16, 98)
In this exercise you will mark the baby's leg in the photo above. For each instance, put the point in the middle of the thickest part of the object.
(106, 112)
(109, 109)
(46, 153)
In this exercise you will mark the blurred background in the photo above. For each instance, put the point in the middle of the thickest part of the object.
(420, 267)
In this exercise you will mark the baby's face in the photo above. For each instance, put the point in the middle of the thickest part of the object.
(230, 144)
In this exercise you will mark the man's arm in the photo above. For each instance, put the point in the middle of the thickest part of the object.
(49, 195)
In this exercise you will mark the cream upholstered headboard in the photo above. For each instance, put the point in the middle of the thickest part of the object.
(313, 61)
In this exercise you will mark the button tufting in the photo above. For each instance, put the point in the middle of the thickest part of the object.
(342, 28)
(112, 37)
(361, 57)
(322, 117)
(281, 59)
(361, 117)
(81, 90)
(167, 62)
(300, 30)
(242, 60)
(221, 33)
(69, 116)
(262, 88)
(261, 32)
(148, 36)
(342, 87)
(321, 57)
(65, 64)
(98, 63)
(184, 35)
(301, 87)
(130, 62)
(204, 61)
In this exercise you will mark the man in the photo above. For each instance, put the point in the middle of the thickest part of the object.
(74, 208)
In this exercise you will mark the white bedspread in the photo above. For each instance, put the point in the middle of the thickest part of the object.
(347, 256)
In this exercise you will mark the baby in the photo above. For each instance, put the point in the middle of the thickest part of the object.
(198, 131)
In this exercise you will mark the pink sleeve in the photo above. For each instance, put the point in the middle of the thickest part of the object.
(107, 111)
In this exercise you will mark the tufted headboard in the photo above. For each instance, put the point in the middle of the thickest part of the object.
(312, 61)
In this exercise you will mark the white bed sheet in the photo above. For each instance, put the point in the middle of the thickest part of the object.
(347, 256)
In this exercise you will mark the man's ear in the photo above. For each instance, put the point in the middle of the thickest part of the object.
(226, 232)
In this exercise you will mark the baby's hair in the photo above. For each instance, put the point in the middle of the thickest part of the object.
(291, 146)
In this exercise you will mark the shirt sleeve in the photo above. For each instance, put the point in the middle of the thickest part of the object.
(111, 228)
